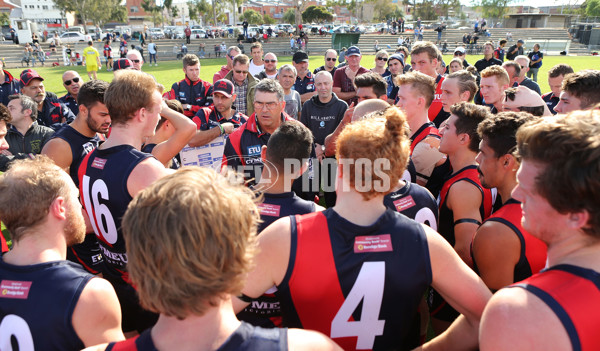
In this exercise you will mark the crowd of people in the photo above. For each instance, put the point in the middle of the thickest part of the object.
(353, 208)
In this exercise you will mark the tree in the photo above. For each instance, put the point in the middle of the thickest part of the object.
(268, 19)
(289, 16)
(317, 14)
(252, 17)
(150, 7)
(494, 9)
(384, 10)
(200, 9)
(94, 10)
(4, 18)
(235, 4)
(593, 8)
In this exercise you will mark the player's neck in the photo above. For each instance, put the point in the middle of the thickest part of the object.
(227, 114)
(258, 62)
(274, 181)
(123, 135)
(353, 207)
(206, 332)
(81, 126)
(574, 248)
(417, 121)
(507, 187)
(461, 159)
(38, 246)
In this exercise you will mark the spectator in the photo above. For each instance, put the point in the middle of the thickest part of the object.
(257, 64)
(381, 59)
(51, 112)
(270, 71)
(556, 76)
(244, 85)
(535, 62)
(107, 51)
(245, 26)
(188, 33)
(137, 58)
(440, 29)
(232, 52)
(342, 55)
(71, 82)
(305, 82)
(152, 51)
(293, 103)
(488, 58)
(8, 84)
(499, 52)
(396, 68)
(455, 65)
(201, 52)
(343, 80)
(192, 92)
(330, 60)
(515, 50)
(523, 61)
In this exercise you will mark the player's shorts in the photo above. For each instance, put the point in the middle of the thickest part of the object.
(439, 308)
(91, 68)
(134, 317)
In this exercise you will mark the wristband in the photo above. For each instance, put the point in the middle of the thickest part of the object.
(222, 129)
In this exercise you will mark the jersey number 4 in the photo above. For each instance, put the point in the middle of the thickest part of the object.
(100, 216)
(367, 288)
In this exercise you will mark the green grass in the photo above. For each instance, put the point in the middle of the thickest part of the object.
(169, 72)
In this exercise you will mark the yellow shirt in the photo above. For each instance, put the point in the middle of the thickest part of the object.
(91, 56)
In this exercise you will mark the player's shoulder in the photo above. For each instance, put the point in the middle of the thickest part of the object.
(300, 340)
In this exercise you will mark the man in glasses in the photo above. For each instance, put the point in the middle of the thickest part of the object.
(136, 58)
(192, 92)
(50, 111)
(243, 83)
(243, 147)
(526, 100)
(232, 52)
(71, 81)
(523, 61)
(270, 70)
(70, 145)
(330, 60)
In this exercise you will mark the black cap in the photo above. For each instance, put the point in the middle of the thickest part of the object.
(300, 56)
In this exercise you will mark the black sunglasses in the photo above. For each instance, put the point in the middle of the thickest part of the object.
(270, 61)
(135, 61)
(384, 59)
(68, 82)
(331, 59)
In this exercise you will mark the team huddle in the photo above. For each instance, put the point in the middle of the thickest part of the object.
(410, 206)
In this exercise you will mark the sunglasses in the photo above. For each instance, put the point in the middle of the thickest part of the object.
(230, 56)
(384, 59)
(68, 82)
(458, 53)
(135, 61)
(331, 59)
(270, 61)
(238, 72)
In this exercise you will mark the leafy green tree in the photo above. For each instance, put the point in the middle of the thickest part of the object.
(495, 9)
(94, 10)
(386, 10)
(268, 19)
(200, 9)
(593, 8)
(4, 18)
(317, 14)
(289, 16)
(252, 17)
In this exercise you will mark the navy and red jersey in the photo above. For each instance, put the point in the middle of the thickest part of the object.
(275, 206)
(446, 218)
(37, 305)
(551, 101)
(245, 338)
(197, 94)
(103, 178)
(71, 103)
(107, 51)
(175, 163)
(573, 294)
(9, 87)
(243, 147)
(436, 113)
(304, 85)
(426, 130)
(53, 113)
(336, 266)
(532, 257)
(415, 202)
(208, 117)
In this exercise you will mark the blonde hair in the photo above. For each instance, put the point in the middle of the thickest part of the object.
(421, 83)
(379, 138)
(129, 91)
(27, 190)
(497, 71)
(190, 240)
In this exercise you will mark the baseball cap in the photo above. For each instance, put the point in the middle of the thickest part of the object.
(122, 63)
(398, 57)
(460, 49)
(28, 75)
(353, 51)
(521, 41)
(300, 56)
(223, 86)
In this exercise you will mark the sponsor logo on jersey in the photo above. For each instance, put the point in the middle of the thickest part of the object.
(373, 243)
(13, 289)
(254, 150)
(99, 163)
(269, 210)
(404, 203)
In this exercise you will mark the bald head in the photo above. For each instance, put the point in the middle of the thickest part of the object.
(368, 106)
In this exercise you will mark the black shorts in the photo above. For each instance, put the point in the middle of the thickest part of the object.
(439, 308)
(87, 254)
(134, 317)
